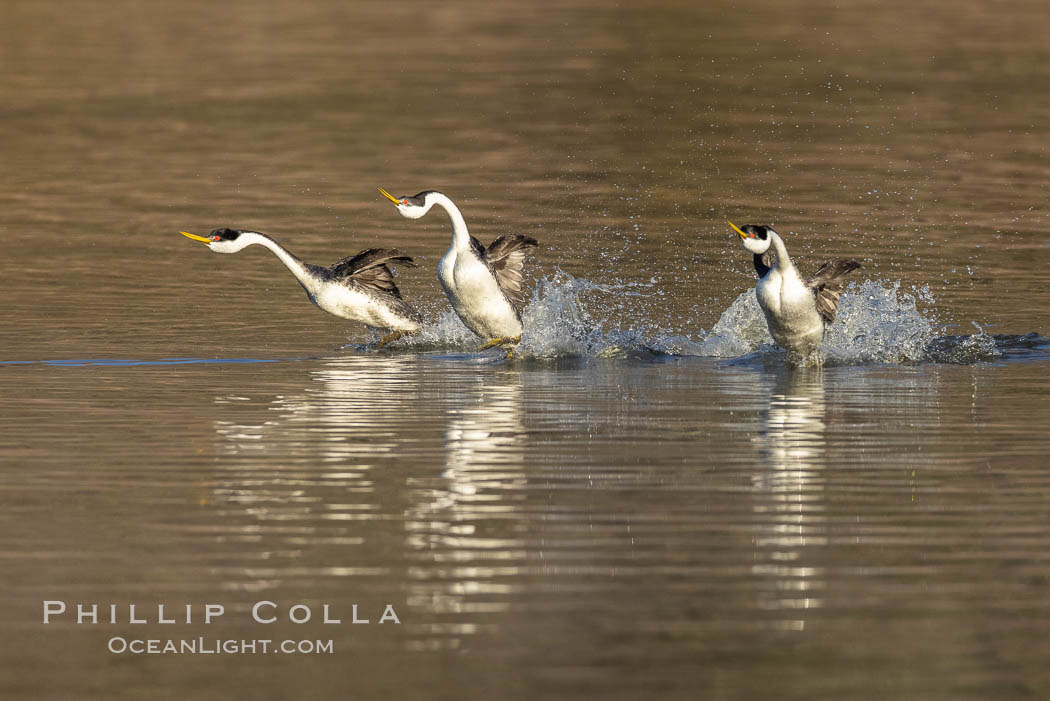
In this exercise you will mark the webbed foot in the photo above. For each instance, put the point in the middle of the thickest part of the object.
(391, 337)
(501, 341)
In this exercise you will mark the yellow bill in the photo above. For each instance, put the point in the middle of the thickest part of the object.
(195, 237)
(737, 230)
(390, 197)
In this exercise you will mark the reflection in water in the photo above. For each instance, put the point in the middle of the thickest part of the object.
(332, 432)
(790, 507)
(657, 502)
(450, 519)
(629, 564)
(795, 523)
(350, 411)
(349, 429)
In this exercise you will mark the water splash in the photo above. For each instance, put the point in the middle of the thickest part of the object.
(571, 316)
(448, 333)
(877, 322)
(975, 348)
(740, 330)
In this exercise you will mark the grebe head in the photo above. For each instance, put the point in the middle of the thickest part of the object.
(413, 207)
(756, 239)
(224, 240)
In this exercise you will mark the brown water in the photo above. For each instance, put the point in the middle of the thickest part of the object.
(683, 518)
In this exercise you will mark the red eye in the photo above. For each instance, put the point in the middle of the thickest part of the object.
(404, 201)
(214, 238)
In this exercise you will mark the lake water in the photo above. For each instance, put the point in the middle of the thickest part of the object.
(648, 501)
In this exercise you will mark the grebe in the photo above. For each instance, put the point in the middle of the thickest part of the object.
(796, 311)
(483, 284)
(360, 288)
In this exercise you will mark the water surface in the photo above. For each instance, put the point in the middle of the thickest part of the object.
(647, 502)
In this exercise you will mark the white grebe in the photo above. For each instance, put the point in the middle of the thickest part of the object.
(796, 310)
(483, 284)
(360, 288)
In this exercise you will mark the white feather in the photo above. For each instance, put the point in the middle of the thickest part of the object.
(332, 296)
(787, 303)
(468, 283)
(476, 297)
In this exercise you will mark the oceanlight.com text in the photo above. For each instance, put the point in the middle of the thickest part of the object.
(214, 646)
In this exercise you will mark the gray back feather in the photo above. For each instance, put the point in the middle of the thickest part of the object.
(506, 257)
(827, 284)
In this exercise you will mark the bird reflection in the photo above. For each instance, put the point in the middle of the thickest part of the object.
(317, 474)
(352, 408)
(486, 431)
(789, 491)
(294, 472)
(455, 522)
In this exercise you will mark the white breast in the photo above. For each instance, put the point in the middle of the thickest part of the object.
(476, 297)
(350, 303)
(791, 311)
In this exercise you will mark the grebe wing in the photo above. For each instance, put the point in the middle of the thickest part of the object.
(369, 269)
(506, 257)
(827, 283)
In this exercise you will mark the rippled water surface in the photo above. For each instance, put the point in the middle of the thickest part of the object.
(647, 501)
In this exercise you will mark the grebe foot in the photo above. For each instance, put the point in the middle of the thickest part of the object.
(391, 337)
(501, 341)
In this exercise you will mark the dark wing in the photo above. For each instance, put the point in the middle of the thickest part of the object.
(826, 284)
(478, 249)
(506, 257)
(369, 269)
(764, 262)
